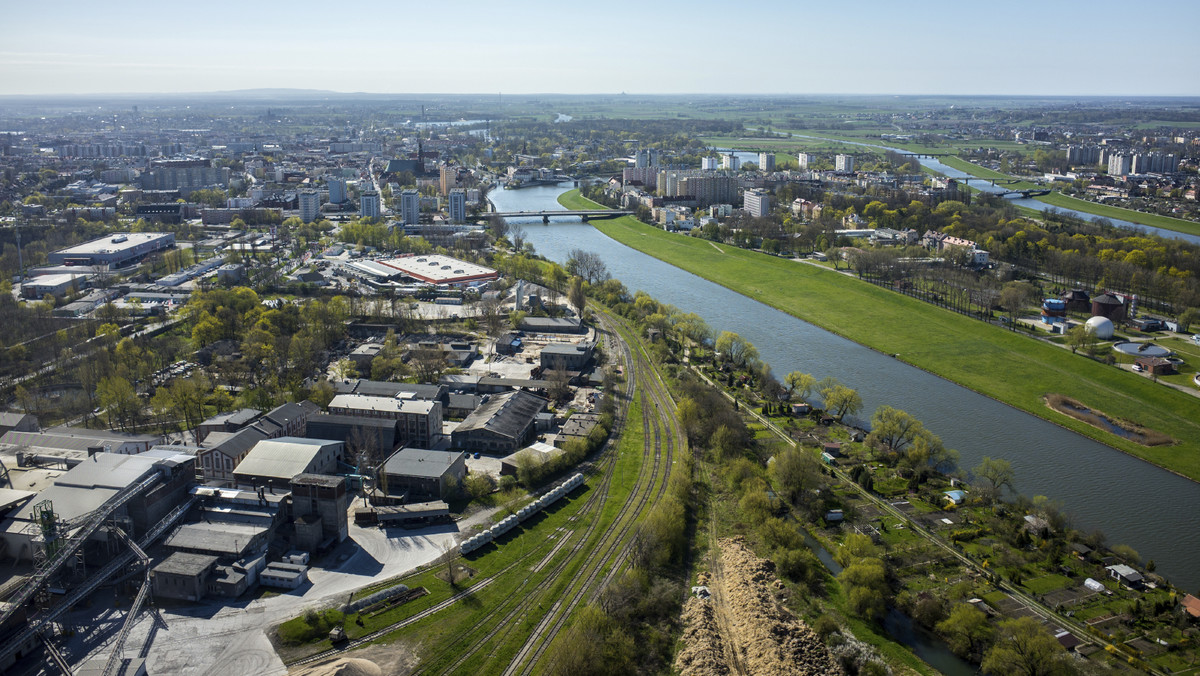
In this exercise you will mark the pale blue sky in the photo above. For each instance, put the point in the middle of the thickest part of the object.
(1100, 47)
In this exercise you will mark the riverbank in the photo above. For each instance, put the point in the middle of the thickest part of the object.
(990, 360)
(1057, 199)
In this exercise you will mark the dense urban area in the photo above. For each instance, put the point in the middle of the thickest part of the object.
(313, 385)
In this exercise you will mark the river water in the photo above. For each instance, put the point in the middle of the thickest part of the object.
(1132, 501)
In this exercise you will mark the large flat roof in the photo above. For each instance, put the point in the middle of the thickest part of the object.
(284, 457)
(110, 243)
(438, 269)
(217, 538)
(366, 402)
(420, 462)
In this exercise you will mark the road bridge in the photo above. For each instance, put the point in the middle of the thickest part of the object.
(582, 214)
(1023, 193)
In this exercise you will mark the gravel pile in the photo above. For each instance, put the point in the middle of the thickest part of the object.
(345, 666)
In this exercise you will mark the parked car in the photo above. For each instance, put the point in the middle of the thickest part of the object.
(1139, 368)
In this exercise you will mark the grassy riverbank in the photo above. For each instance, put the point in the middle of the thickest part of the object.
(993, 361)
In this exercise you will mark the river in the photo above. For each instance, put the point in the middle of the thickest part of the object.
(1029, 202)
(1132, 501)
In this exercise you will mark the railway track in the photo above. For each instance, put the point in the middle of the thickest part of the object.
(522, 604)
(657, 417)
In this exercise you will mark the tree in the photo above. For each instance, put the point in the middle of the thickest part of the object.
(737, 350)
(797, 473)
(517, 235)
(1187, 318)
(588, 265)
(725, 443)
(576, 296)
(800, 384)
(120, 400)
(966, 630)
(428, 364)
(894, 429)
(345, 369)
(997, 474)
(1082, 337)
(1013, 297)
(867, 591)
(1024, 647)
(842, 401)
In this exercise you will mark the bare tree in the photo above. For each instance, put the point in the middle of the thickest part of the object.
(517, 235)
(588, 265)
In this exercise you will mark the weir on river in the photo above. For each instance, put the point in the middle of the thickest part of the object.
(1131, 501)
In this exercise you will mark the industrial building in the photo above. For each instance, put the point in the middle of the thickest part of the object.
(319, 506)
(54, 285)
(566, 356)
(381, 388)
(425, 269)
(421, 474)
(275, 462)
(380, 435)
(569, 325)
(502, 424)
(146, 486)
(76, 443)
(224, 449)
(420, 420)
(114, 251)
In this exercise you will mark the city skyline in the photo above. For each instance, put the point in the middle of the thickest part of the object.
(1026, 48)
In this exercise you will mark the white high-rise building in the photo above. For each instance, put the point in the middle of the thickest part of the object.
(844, 164)
(766, 161)
(410, 207)
(368, 205)
(1119, 165)
(709, 163)
(337, 190)
(458, 205)
(731, 162)
(803, 159)
(757, 203)
(310, 205)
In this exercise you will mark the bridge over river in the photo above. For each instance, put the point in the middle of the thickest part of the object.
(582, 214)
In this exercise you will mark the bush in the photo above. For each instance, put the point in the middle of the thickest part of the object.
(825, 625)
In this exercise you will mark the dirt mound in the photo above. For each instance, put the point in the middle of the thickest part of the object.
(345, 666)
(770, 638)
(703, 651)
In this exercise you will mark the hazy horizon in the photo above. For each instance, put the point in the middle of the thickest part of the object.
(1023, 48)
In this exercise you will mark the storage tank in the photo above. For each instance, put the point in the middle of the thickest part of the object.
(1101, 327)
(1077, 300)
(1108, 305)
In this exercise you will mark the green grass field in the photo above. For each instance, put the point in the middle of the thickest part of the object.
(993, 361)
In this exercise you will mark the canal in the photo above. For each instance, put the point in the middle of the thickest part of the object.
(1131, 501)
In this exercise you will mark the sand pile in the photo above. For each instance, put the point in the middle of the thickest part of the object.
(772, 640)
(345, 666)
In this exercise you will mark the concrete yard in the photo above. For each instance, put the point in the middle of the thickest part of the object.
(221, 637)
